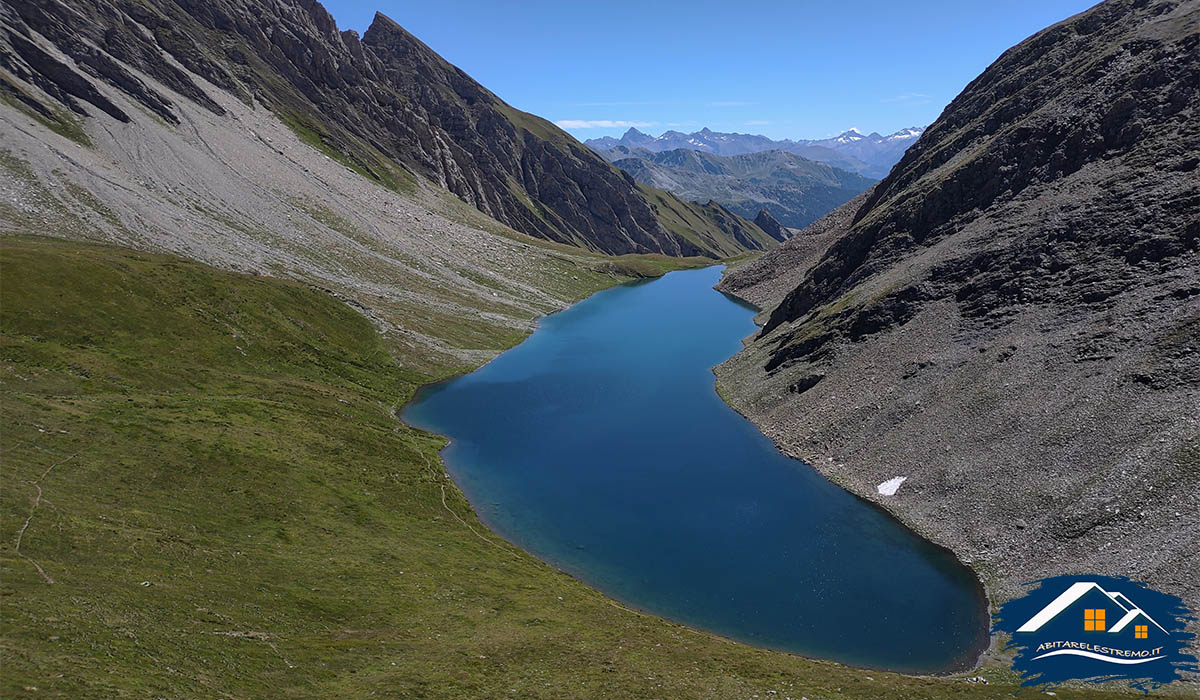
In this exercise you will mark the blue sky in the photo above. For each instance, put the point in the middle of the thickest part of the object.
(798, 69)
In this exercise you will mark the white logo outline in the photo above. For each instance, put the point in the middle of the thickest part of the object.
(1077, 591)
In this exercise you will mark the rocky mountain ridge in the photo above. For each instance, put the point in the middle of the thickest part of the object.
(1009, 319)
(383, 103)
(771, 226)
(871, 155)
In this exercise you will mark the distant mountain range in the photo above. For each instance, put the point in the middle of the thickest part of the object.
(794, 190)
(871, 154)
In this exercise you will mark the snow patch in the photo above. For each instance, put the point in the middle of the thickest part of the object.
(891, 486)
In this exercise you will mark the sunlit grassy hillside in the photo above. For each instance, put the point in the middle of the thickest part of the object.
(206, 493)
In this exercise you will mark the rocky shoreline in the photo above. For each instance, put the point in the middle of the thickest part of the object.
(1004, 554)
(1004, 329)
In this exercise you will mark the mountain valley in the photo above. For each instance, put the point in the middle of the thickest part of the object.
(236, 241)
(793, 190)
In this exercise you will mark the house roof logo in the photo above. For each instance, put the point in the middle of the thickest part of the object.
(1089, 627)
(1077, 591)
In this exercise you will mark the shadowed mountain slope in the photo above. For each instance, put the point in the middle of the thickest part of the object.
(1010, 318)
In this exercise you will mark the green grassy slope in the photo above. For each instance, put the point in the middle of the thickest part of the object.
(206, 494)
(706, 225)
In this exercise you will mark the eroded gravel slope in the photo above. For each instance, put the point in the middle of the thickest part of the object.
(240, 191)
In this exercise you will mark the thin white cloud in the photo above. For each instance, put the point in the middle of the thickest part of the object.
(620, 104)
(600, 124)
(914, 97)
(730, 103)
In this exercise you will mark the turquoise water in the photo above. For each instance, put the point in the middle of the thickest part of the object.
(600, 445)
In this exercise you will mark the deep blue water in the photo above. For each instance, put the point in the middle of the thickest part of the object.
(600, 445)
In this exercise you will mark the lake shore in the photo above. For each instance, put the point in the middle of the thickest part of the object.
(866, 415)
(849, 539)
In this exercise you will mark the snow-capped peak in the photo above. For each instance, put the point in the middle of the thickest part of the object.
(911, 132)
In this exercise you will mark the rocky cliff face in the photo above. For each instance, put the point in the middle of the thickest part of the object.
(1010, 318)
(384, 103)
(769, 225)
(763, 282)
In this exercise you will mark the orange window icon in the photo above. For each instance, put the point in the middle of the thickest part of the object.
(1093, 620)
(1141, 631)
